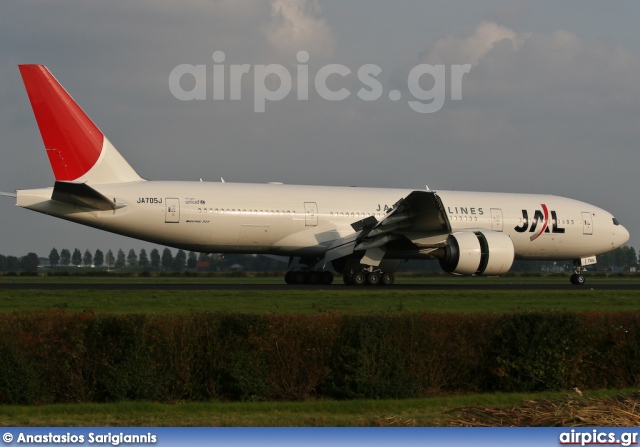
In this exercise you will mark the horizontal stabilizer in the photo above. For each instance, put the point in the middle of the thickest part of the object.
(8, 194)
(81, 194)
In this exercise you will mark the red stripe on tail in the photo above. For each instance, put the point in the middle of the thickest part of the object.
(72, 141)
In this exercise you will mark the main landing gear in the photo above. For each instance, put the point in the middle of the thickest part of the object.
(373, 278)
(308, 274)
(308, 277)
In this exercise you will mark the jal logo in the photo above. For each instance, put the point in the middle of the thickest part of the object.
(540, 223)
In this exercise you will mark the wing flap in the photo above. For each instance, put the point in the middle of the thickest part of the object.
(373, 256)
(341, 248)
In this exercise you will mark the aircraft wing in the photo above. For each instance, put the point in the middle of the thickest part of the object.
(420, 217)
(419, 211)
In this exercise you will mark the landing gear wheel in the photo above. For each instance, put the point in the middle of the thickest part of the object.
(326, 277)
(313, 277)
(387, 279)
(299, 277)
(288, 277)
(359, 279)
(348, 279)
(373, 279)
(577, 279)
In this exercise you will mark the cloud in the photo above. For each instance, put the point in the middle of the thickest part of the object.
(538, 76)
(235, 9)
(296, 25)
(550, 107)
(470, 50)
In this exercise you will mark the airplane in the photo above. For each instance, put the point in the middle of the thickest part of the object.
(363, 233)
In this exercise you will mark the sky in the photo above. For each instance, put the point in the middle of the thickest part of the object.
(548, 103)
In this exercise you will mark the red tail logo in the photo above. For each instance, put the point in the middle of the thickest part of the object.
(72, 141)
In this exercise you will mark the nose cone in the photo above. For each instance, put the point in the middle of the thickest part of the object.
(620, 236)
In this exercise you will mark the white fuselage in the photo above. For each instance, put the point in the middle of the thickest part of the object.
(302, 221)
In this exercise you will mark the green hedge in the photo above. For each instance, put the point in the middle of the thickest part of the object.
(59, 356)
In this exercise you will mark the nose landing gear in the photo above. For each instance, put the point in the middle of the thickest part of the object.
(577, 279)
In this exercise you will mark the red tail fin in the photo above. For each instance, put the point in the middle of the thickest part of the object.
(76, 148)
(72, 141)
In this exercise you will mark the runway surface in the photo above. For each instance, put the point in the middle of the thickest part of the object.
(333, 287)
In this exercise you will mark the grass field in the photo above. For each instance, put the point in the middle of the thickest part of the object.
(341, 300)
(421, 412)
(437, 411)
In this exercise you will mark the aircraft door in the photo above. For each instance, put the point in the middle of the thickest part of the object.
(587, 223)
(310, 214)
(172, 210)
(496, 219)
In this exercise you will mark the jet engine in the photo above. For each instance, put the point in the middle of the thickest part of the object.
(477, 253)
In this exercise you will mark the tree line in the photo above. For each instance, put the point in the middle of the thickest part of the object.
(623, 258)
(27, 263)
(141, 260)
(154, 260)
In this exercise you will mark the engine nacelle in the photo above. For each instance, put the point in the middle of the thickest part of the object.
(478, 253)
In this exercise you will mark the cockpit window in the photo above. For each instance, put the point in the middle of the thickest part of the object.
(615, 221)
